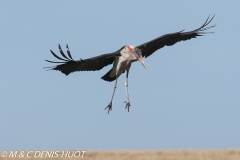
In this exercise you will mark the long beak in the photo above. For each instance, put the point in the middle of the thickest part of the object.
(140, 59)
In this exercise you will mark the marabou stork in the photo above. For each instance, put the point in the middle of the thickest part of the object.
(123, 57)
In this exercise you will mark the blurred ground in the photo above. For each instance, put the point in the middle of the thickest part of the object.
(230, 154)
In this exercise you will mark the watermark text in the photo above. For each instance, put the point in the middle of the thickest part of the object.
(42, 154)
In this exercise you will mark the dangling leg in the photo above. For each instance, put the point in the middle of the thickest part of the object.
(128, 101)
(109, 107)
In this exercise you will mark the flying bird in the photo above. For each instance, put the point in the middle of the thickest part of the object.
(123, 58)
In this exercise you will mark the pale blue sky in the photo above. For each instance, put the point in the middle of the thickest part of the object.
(188, 98)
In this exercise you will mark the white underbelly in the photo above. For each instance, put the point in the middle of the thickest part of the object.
(120, 65)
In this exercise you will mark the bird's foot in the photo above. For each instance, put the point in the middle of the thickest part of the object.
(109, 107)
(127, 105)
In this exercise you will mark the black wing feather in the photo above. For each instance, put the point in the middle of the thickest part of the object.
(150, 47)
(61, 51)
(57, 56)
(68, 51)
(92, 64)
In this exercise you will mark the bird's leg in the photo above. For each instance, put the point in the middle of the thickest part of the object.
(109, 107)
(128, 101)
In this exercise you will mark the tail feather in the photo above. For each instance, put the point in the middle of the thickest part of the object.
(108, 78)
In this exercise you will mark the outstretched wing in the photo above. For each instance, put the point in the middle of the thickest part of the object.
(68, 65)
(172, 38)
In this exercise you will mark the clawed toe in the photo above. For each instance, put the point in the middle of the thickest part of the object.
(109, 107)
(127, 105)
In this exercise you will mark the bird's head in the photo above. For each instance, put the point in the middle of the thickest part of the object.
(137, 53)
